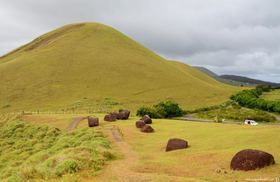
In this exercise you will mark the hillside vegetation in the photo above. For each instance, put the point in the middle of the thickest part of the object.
(252, 99)
(233, 112)
(94, 66)
(29, 151)
(273, 95)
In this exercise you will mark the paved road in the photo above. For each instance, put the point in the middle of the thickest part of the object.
(190, 117)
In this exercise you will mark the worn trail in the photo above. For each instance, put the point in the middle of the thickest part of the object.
(74, 123)
(121, 170)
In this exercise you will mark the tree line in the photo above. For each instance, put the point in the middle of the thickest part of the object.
(251, 99)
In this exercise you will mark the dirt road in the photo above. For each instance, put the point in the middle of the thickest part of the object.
(74, 123)
(121, 170)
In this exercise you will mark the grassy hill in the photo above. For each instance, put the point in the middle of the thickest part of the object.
(90, 65)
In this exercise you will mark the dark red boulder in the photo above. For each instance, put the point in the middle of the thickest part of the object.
(250, 159)
(147, 129)
(175, 144)
(124, 114)
(147, 119)
(115, 114)
(140, 124)
(93, 121)
(110, 117)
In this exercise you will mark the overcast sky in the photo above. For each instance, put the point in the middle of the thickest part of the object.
(227, 36)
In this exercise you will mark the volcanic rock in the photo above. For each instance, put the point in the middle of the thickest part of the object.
(250, 159)
(93, 121)
(175, 144)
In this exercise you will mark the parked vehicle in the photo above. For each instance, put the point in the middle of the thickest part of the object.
(250, 122)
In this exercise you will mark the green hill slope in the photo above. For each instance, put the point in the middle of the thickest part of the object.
(93, 65)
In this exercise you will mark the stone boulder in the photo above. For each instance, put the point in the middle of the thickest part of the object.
(250, 159)
(147, 119)
(175, 144)
(147, 129)
(93, 121)
(140, 124)
(115, 114)
(123, 114)
(110, 117)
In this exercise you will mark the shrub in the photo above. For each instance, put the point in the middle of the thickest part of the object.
(165, 109)
(251, 99)
(168, 109)
(142, 111)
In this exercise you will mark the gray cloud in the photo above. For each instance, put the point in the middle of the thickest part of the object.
(227, 36)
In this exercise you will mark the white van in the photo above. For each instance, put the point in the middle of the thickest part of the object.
(250, 122)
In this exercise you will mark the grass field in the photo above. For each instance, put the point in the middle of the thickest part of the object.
(212, 146)
(91, 66)
(273, 95)
(31, 152)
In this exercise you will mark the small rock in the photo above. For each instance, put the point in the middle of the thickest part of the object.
(93, 121)
(123, 114)
(115, 114)
(110, 117)
(175, 144)
(140, 124)
(147, 119)
(147, 129)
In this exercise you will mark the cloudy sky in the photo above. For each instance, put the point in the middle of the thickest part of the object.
(227, 36)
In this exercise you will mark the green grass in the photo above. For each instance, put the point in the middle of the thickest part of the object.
(94, 67)
(212, 146)
(273, 95)
(32, 152)
(233, 112)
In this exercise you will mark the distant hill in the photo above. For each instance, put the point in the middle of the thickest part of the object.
(246, 80)
(236, 80)
(95, 66)
(208, 72)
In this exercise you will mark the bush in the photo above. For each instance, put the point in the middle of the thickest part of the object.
(142, 111)
(168, 109)
(165, 109)
(251, 99)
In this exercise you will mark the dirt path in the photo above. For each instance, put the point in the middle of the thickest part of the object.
(74, 123)
(121, 170)
(116, 134)
(277, 117)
